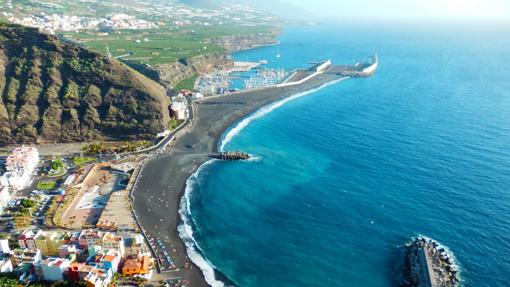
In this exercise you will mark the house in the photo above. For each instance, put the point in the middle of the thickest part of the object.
(49, 242)
(106, 240)
(90, 237)
(27, 238)
(138, 266)
(67, 250)
(111, 241)
(53, 268)
(78, 271)
(25, 256)
(110, 260)
(98, 277)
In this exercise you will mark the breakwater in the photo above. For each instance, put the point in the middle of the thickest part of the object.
(427, 264)
(231, 155)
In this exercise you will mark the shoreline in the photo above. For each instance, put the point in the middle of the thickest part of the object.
(157, 195)
(185, 228)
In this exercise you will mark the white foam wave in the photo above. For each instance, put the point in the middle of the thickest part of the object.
(255, 158)
(185, 229)
(267, 109)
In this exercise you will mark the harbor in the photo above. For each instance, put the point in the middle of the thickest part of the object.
(253, 75)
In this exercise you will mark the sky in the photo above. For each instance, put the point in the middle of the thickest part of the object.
(405, 9)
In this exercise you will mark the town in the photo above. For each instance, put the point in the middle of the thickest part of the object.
(69, 219)
(62, 16)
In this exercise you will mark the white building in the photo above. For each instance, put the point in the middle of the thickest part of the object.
(53, 268)
(5, 265)
(179, 108)
(20, 165)
(4, 247)
(23, 158)
(4, 198)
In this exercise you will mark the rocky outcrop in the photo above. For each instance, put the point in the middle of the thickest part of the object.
(235, 43)
(171, 74)
(52, 91)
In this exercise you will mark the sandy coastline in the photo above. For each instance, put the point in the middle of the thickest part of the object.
(163, 179)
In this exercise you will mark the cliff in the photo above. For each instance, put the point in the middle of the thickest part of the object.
(53, 91)
(235, 43)
(171, 74)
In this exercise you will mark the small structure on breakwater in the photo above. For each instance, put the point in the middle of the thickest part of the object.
(427, 264)
(231, 155)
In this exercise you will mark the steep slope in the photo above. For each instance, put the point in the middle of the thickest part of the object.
(52, 91)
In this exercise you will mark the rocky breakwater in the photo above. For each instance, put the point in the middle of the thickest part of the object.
(231, 155)
(427, 264)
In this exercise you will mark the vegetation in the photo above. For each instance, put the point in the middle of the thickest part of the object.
(46, 185)
(57, 168)
(57, 91)
(187, 84)
(133, 146)
(173, 123)
(166, 44)
(94, 148)
(57, 163)
(28, 203)
(83, 160)
(11, 280)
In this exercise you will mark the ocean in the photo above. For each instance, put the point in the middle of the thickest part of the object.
(343, 176)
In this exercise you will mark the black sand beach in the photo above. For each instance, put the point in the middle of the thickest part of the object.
(162, 181)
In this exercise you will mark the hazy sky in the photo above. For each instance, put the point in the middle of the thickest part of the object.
(441, 9)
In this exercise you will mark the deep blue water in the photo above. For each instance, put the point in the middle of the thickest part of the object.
(348, 174)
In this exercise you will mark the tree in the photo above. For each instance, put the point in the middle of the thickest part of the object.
(57, 164)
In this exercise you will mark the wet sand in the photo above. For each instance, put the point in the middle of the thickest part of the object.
(162, 181)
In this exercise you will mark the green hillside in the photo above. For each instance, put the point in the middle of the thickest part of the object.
(53, 91)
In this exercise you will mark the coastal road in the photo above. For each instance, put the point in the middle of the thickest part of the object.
(162, 181)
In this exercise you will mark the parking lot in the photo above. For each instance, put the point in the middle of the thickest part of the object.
(38, 218)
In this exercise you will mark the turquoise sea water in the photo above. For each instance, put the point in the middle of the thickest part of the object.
(346, 175)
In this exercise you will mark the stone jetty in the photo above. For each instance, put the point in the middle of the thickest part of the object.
(231, 155)
(427, 264)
